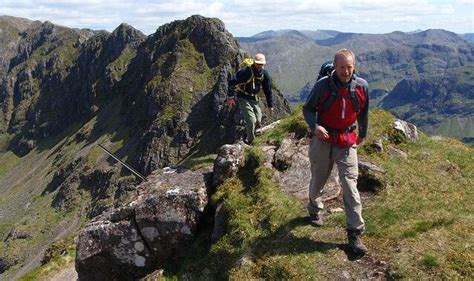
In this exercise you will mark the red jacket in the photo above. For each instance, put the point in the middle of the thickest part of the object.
(340, 117)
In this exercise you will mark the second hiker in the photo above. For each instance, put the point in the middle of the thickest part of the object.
(246, 84)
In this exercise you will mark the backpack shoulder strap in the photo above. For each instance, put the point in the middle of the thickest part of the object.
(352, 94)
(249, 78)
(332, 97)
(241, 86)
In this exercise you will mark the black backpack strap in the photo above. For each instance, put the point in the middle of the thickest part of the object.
(329, 100)
(332, 97)
(241, 87)
(352, 94)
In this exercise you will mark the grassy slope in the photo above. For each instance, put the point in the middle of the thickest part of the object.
(419, 227)
(25, 198)
(25, 209)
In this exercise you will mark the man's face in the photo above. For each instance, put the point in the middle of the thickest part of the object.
(344, 68)
(259, 66)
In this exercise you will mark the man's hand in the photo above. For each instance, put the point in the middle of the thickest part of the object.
(230, 102)
(321, 133)
(359, 140)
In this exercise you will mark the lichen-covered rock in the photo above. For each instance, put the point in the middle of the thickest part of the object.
(283, 156)
(377, 145)
(293, 171)
(409, 130)
(157, 227)
(397, 153)
(369, 176)
(230, 157)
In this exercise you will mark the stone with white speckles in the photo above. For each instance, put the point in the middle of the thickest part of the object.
(139, 246)
(139, 261)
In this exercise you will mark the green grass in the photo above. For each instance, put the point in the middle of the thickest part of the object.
(120, 65)
(8, 161)
(429, 261)
(4, 139)
(256, 210)
(94, 154)
(31, 207)
(421, 224)
(196, 163)
(61, 255)
(292, 124)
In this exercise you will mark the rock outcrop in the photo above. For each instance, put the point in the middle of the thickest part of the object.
(291, 168)
(407, 129)
(175, 90)
(230, 157)
(156, 228)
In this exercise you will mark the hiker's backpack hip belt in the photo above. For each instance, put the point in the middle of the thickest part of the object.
(330, 130)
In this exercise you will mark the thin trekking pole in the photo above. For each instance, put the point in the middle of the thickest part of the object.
(123, 163)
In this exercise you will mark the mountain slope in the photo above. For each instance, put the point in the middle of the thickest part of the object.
(385, 60)
(441, 104)
(418, 221)
(153, 101)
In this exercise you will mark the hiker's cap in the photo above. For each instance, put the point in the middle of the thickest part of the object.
(259, 59)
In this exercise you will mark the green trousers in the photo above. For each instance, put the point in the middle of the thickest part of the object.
(252, 116)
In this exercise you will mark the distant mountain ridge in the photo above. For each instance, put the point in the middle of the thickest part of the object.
(311, 34)
(469, 37)
(398, 47)
(384, 60)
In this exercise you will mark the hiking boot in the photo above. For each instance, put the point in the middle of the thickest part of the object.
(355, 244)
(315, 220)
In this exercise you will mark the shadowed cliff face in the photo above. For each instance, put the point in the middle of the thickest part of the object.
(58, 77)
(175, 89)
(171, 85)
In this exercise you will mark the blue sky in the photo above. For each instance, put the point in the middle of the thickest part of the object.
(246, 18)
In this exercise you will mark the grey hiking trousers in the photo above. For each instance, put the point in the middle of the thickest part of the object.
(321, 166)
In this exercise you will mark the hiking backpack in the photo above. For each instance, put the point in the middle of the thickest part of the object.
(325, 70)
(248, 62)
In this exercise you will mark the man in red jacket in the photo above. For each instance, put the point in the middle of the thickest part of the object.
(335, 105)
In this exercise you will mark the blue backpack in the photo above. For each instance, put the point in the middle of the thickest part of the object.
(325, 70)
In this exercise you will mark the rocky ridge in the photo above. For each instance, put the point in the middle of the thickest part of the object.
(152, 101)
(156, 229)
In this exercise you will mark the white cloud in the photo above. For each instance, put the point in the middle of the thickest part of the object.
(244, 18)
